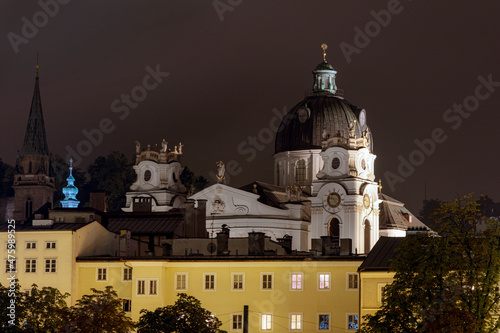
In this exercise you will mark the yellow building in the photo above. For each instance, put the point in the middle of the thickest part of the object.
(284, 293)
(374, 275)
(45, 252)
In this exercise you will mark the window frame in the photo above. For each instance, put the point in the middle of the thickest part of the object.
(242, 281)
(380, 291)
(129, 301)
(214, 287)
(262, 281)
(329, 281)
(268, 316)
(348, 322)
(31, 260)
(319, 321)
(31, 245)
(185, 274)
(7, 266)
(231, 328)
(157, 285)
(348, 277)
(292, 274)
(123, 274)
(53, 262)
(104, 273)
(144, 287)
(290, 322)
(50, 248)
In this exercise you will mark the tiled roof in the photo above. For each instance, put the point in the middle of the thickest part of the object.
(58, 226)
(145, 224)
(380, 255)
(393, 214)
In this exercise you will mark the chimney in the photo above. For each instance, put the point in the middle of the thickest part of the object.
(125, 236)
(286, 243)
(256, 243)
(97, 201)
(345, 246)
(189, 218)
(329, 246)
(223, 241)
(201, 218)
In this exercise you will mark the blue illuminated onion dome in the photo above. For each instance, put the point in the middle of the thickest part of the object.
(70, 191)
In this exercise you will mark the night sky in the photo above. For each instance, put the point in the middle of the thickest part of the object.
(229, 68)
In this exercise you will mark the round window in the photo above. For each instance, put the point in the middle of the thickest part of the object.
(147, 175)
(335, 163)
(303, 114)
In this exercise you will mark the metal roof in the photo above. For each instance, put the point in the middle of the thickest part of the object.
(393, 215)
(58, 226)
(381, 254)
(145, 224)
(323, 111)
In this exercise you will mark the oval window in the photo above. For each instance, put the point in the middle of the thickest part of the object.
(147, 175)
(335, 163)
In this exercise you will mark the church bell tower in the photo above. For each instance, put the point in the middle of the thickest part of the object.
(33, 178)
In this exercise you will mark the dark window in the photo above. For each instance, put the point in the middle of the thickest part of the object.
(335, 163)
(334, 230)
(147, 175)
(368, 229)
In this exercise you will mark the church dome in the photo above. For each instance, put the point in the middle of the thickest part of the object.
(322, 115)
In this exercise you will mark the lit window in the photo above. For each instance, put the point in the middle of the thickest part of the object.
(30, 245)
(30, 266)
(352, 281)
(352, 322)
(153, 287)
(127, 305)
(296, 281)
(180, 281)
(324, 322)
(238, 281)
(102, 274)
(127, 274)
(267, 281)
(267, 322)
(209, 282)
(296, 321)
(50, 265)
(10, 266)
(141, 287)
(50, 245)
(324, 281)
(237, 322)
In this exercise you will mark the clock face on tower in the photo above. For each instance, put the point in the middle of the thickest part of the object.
(367, 202)
(332, 201)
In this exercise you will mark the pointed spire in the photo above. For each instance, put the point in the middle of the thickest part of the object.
(35, 140)
(71, 190)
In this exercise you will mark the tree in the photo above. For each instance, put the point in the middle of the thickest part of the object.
(98, 312)
(114, 174)
(185, 316)
(46, 310)
(6, 179)
(192, 182)
(11, 315)
(444, 284)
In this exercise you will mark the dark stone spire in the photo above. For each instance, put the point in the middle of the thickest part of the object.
(35, 141)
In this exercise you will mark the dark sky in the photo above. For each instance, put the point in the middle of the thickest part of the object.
(226, 77)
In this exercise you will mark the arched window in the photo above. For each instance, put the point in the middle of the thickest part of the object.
(29, 207)
(300, 173)
(30, 167)
(334, 229)
(277, 175)
(368, 230)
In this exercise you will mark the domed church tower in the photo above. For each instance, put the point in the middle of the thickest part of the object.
(324, 145)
